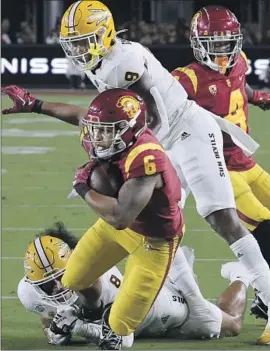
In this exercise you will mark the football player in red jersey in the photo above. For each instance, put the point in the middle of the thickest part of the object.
(217, 82)
(144, 223)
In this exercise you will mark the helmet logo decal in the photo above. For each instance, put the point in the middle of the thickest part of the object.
(130, 105)
(98, 15)
(27, 267)
(64, 250)
(194, 21)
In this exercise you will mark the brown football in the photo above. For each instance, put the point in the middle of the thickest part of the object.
(106, 179)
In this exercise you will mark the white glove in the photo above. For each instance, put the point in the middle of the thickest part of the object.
(56, 339)
(64, 321)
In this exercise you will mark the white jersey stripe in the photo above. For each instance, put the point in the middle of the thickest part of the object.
(42, 256)
(71, 17)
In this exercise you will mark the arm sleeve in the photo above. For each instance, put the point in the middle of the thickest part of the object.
(188, 79)
(148, 162)
(32, 302)
(126, 72)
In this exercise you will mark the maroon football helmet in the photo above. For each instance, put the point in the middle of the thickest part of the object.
(216, 37)
(116, 118)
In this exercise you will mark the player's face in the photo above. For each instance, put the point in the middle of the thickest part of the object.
(84, 51)
(102, 137)
(53, 287)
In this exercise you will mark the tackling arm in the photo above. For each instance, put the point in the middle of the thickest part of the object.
(24, 102)
(158, 118)
(258, 98)
(133, 196)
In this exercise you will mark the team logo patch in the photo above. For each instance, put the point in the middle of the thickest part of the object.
(98, 16)
(213, 89)
(194, 20)
(229, 84)
(64, 250)
(129, 105)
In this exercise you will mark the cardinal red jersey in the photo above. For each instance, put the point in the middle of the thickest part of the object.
(225, 96)
(162, 216)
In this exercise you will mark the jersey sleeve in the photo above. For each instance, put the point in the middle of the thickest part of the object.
(188, 79)
(244, 63)
(33, 302)
(126, 72)
(145, 160)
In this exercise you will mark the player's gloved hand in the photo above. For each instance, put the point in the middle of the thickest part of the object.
(81, 177)
(56, 339)
(261, 99)
(22, 99)
(63, 323)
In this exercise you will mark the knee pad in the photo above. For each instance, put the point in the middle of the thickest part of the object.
(120, 325)
(262, 235)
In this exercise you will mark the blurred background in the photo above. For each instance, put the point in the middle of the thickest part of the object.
(30, 30)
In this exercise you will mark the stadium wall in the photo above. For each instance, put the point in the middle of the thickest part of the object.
(43, 66)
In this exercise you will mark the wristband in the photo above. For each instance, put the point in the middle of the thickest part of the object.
(37, 106)
(82, 189)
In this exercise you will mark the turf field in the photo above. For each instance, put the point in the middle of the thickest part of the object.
(39, 157)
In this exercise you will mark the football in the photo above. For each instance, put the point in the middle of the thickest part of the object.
(106, 179)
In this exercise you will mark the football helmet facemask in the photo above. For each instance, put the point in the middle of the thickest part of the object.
(216, 37)
(44, 265)
(87, 33)
(116, 118)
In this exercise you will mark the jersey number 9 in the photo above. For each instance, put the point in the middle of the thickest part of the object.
(131, 76)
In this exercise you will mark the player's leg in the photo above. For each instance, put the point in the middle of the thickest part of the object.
(254, 215)
(95, 253)
(261, 185)
(146, 271)
(233, 300)
(203, 165)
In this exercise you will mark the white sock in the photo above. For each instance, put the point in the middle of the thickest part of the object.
(182, 276)
(248, 252)
(236, 277)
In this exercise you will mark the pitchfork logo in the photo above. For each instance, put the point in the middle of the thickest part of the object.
(98, 15)
(129, 105)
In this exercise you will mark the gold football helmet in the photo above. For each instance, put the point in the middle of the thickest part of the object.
(44, 264)
(87, 33)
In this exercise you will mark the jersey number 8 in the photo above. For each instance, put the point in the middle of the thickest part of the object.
(115, 281)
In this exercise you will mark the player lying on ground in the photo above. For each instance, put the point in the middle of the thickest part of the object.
(216, 199)
(172, 315)
(218, 83)
(41, 291)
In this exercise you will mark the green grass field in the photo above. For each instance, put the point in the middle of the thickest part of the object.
(34, 195)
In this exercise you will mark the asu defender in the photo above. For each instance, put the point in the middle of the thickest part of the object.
(41, 292)
(218, 83)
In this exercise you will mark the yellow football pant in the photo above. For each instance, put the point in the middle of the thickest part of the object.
(252, 195)
(148, 263)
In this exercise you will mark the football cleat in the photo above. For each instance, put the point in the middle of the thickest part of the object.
(264, 339)
(108, 340)
(258, 309)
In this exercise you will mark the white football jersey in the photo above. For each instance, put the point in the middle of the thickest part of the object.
(169, 311)
(125, 64)
(33, 302)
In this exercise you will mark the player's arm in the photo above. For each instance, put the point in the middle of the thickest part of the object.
(258, 98)
(157, 114)
(133, 196)
(188, 79)
(24, 102)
